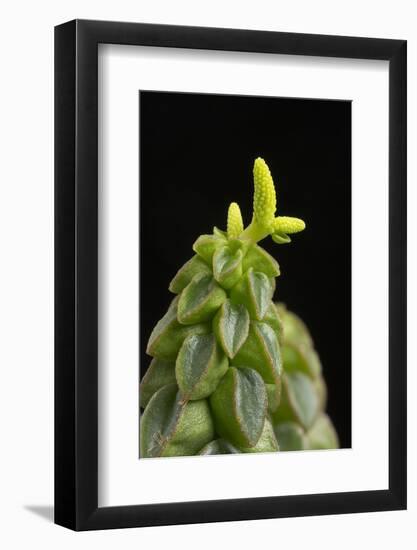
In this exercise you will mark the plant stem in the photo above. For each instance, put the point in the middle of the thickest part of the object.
(255, 232)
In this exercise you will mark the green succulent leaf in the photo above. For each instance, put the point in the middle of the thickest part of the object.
(195, 266)
(254, 290)
(261, 352)
(295, 331)
(314, 363)
(299, 400)
(280, 238)
(321, 390)
(297, 346)
(239, 407)
(200, 366)
(267, 443)
(259, 260)
(219, 233)
(231, 327)
(227, 266)
(301, 358)
(200, 300)
(274, 396)
(272, 318)
(206, 245)
(159, 374)
(168, 334)
(322, 434)
(219, 447)
(291, 436)
(172, 427)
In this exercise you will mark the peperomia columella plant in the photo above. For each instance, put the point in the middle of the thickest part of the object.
(231, 371)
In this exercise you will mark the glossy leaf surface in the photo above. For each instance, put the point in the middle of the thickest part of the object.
(195, 266)
(299, 400)
(200, 365)
(172, 427)
(239, 407)
(206, 245)
(290, 436)
(295, 331)
(301, 358)
(168, 335)
(259, 260)
(261, 352)
(274, 396)
(267, 442)
(200, 300)
(218, 447)
(159, 373)
(322, 434)
(255, 292)
(227, 266)
(273, 319)
(231, 327)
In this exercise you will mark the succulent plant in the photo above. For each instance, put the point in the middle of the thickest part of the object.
(300, 421)
(231, 371)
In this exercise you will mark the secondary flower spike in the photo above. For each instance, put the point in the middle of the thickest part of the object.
(234, 221)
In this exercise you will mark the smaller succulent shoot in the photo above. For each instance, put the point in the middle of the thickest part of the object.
(227, 375)
(300, 421)
(284, 226)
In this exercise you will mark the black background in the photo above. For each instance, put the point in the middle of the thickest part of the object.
(196, 156)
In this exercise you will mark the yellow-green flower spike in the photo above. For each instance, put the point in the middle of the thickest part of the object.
(264, 222)
(264, 198)
(285, 224)
(234, 221)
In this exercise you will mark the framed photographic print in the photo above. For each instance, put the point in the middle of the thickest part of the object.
(230, 337)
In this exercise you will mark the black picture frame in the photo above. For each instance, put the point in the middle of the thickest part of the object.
(76, 271)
